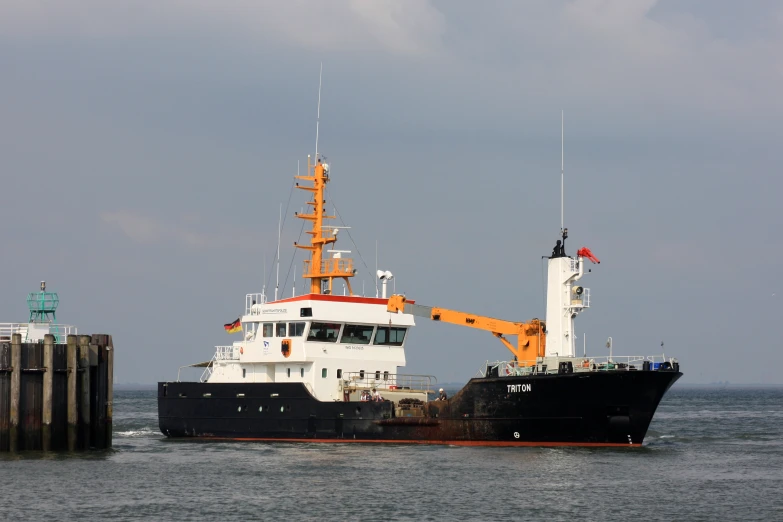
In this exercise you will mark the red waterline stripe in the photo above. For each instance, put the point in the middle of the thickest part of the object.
(445, 442)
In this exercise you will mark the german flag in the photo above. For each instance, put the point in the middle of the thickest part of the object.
(234, 327)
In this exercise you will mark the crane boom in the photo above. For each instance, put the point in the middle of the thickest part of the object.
(531, 336)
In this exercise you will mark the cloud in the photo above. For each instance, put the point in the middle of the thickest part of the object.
(147, 230)
(407, 27)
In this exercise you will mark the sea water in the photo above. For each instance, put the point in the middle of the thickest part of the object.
(710, 454)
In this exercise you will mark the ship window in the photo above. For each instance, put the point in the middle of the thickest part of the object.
(339, 374)
(389, 336)
(282, 409)
(260, 408)
(323, 373)
(239, 408)
(378, 375)
(243, 372)
(324, 332)
(305, 312)
(296, 329)
(267, 330)
(361, 374)
(301, 372)
(357, 334)
(280, 329)
(385, 376)
(289, 372)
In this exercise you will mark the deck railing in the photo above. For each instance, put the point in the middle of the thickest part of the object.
(333, 266)
(254, 299)
(226, 353)
(389, 381)
(580, 364)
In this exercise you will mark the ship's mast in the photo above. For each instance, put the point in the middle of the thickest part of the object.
(564, 298)
(318, 269)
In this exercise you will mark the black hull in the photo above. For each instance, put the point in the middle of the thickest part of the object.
(612, 408)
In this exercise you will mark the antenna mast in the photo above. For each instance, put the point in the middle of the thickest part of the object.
(376, 267)
(562, 165)
(318, 116)
(277, 281)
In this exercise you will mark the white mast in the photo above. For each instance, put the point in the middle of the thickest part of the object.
(564, 299)
(280, 219)
(376, 267)
(318, 116)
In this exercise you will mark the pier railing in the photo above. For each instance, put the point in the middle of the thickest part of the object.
(60, 331)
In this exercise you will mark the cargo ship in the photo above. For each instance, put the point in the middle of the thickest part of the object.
(325, 367)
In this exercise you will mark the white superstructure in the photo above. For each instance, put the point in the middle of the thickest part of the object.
(565, 299)
(319, 340)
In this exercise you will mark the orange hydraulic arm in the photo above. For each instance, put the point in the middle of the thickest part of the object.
(531, 337)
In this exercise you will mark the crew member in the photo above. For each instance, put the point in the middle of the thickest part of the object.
(442, 396)
(376, 396)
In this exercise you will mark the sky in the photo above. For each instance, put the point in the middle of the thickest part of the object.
(147, 148)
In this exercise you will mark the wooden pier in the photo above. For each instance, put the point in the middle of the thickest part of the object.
(56, 397)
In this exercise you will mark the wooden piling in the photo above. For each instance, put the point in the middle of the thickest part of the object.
(16, 372)
(98, 392)
(48, 376)
(5, 388)
(84, 392)
(73, 372)
(56, 396)
(109, 390)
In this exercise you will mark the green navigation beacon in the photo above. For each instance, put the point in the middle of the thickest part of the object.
(43, 305)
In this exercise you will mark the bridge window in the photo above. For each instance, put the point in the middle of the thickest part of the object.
(389, 336)
(280, 328)
(324, 332)
(266, 330)
(305, 312)
(296, 329)
(357, 334)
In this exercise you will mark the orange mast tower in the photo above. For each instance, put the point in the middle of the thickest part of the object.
(317, 268)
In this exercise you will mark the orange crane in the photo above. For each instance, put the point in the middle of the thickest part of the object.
(531, 336)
